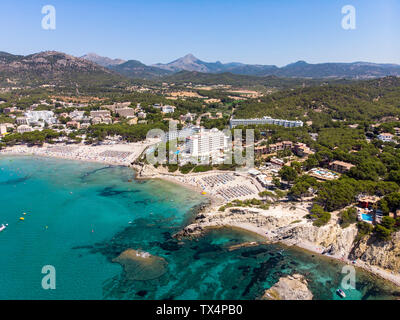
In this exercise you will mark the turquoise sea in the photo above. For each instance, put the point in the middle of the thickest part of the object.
(77, 220)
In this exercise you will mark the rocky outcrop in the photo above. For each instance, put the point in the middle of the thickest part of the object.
(190, 232)
(287, 226)
(140, 265)
(335, 240)
(383, 254)
(292, 287)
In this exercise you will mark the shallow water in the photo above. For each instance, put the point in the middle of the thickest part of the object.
(78, 218)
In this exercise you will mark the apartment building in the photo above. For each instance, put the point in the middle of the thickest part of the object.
(24, 128)
(100, 113)
(125, 112)
(273, 148)
(21, 120)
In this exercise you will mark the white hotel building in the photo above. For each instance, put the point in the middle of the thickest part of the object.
(37, 117)
(207, 143)
(266, 120)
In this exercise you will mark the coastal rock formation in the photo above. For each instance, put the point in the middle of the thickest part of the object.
(288, 225)
(140, 265)
(379, 253)
(190, 232)
(335, 240)
(280, 224)
(292, 287)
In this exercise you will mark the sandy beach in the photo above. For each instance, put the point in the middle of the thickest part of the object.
(225, 186)
(122, 154)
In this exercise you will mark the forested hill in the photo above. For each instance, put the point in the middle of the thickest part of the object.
(369, 100)
(227, 78)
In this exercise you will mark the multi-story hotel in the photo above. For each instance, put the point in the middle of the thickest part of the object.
(266, 120)
(206, 143)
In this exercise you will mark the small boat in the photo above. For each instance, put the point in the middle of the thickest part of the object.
(340, 293)
(3, 227)
(22, 218)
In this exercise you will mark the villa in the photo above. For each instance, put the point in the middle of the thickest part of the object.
(189, 117)
(386, 137)
(367, 210)
(168, 109)
(73, 124)
(367, 201)
(302, 150)
(340, 166)
(141, 115)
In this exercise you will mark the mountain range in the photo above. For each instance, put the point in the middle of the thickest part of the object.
(300, 69)
(63, 69)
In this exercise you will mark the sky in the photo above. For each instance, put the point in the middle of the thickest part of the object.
(273, 32)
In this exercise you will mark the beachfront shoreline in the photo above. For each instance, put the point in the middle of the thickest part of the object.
(119, 154)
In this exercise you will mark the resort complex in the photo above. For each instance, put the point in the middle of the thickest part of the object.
(266, 120)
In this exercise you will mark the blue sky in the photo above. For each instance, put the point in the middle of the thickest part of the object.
(253, 31)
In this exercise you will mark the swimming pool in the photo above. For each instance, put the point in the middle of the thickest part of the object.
(367, 217)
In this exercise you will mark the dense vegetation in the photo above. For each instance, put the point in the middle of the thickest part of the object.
(357, 102)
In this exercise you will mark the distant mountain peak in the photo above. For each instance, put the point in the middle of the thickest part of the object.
(188, 62)
(103, 61)
(187, 59)
(190, 56)
(299, 63)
